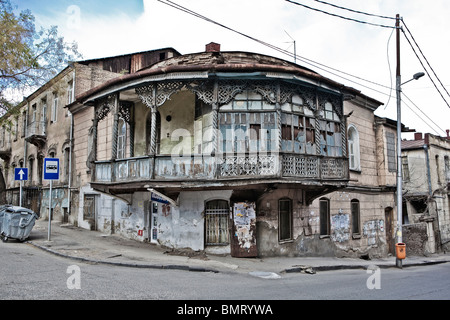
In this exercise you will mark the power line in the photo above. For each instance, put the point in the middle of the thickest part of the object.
(426, 60)
(303, 59)
(437, 126)
(355, 11)
(339, 16)
(313, 63)
(414, 50)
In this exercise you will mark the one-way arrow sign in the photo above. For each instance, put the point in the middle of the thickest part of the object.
(21, 174)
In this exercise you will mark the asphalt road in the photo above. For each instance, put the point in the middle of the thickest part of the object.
(27, 273)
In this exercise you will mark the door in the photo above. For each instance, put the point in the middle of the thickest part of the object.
(89, 211)
(389, 219)
(243, 238)
(154, 222)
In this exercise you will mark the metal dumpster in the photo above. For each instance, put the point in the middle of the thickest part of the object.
(17, 222)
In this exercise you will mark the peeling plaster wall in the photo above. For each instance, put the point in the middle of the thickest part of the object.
(306, 239)
(184, 226)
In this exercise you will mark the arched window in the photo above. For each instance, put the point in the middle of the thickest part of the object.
(353, 149)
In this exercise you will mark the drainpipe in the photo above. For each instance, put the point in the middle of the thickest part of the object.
(70, 150)
(427, 158)
(431, 243)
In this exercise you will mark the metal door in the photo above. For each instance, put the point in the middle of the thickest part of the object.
(243, 238)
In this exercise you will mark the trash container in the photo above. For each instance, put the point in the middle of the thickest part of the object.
(400, 250)
(2, 213)
(17, 223)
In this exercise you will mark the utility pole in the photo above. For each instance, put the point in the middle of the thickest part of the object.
(399, 143)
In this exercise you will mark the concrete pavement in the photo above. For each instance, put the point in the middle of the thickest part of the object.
(95, 247)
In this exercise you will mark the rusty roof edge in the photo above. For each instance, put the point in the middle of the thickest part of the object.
(212, 68)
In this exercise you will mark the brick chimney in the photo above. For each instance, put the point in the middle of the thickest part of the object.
(448, 134)
(418, 136)
(212, 47)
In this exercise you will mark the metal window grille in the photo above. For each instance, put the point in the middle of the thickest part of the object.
(217, 223)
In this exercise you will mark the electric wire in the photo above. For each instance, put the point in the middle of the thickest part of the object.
(308, 61)
(426, 60)
(355, 11)
(303, 59)
(424, 114)
(420, 60)
(339, 16)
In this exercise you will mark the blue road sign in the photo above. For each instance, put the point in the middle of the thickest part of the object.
(51, 168)
(20, 174)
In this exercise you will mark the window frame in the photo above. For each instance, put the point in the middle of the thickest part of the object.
(214, 217)
(353, 148)
(355, 209)
(324, 226)
(281, 214)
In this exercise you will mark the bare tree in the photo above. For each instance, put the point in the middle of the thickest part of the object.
(28, 58)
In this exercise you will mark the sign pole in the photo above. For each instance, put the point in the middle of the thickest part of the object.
(51, 172)
(20, 197)
(50, 210)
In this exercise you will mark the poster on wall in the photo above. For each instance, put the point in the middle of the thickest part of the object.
(244, 230)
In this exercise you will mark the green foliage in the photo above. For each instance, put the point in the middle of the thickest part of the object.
(28, 58)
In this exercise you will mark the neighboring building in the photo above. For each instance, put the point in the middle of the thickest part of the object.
(41, 127)
(230, 152)
(426, 180)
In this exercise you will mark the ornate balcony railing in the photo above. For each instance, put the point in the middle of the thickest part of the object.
(224, 167)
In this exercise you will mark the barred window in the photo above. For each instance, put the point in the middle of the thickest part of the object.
(217, 222)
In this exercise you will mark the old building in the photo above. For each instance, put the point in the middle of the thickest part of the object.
(41, 127)
(426, 176)
(235, 152)
(226, 152)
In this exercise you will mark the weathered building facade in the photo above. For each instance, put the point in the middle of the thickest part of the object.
(234, 152)
(41, 127)
(228, 152)
(426, 176)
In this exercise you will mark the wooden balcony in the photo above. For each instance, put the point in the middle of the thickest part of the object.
(196, 172)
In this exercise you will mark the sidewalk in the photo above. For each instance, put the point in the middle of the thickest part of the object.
(95, 247)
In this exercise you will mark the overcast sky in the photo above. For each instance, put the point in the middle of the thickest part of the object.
(113, 27)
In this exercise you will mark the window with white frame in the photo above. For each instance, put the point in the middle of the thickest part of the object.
(70, 92)
(54, 107)
(353, 149)
(121, 139)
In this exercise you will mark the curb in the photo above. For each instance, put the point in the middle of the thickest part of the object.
(124, 264)
(299, 269)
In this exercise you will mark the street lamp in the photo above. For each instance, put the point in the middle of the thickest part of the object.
(416, 76)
